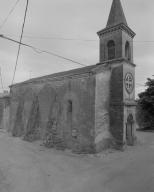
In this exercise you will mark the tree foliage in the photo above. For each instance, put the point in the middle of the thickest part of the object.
(145, 110)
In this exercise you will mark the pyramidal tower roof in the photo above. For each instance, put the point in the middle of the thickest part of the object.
(116, 15)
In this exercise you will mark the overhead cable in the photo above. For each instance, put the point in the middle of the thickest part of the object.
(140, 84)
(53, 38)
(41, 51)
(68, 39)
(9, 15)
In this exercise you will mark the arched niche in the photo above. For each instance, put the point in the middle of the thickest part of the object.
(130, 129)
(47, 98)
(28, 98)
(28, 93)
(69, 117)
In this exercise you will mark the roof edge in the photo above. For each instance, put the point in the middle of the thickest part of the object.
(47, 77)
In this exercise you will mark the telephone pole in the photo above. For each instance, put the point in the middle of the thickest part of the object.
(20, 41)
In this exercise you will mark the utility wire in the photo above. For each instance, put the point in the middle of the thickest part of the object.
(53, 38)
(1, 78)
(8, 15)
(41, 51)
(140, 84)
(67, 39)
(20, 41)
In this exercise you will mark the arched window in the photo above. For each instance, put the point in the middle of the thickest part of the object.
(127, 51)
(111, 50)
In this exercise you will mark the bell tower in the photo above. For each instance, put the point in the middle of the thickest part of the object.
(116, 51)
(116, 39)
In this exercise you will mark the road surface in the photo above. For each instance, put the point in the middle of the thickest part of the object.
(29, 167)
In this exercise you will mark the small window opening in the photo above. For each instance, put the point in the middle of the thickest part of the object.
(127, 51)
(111, 50)
(70, 106)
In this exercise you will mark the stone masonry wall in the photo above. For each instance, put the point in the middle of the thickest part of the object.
(102, 112)
(117, 38)
(1, 112)
(116, 107)
(4, 112)
(41, 110)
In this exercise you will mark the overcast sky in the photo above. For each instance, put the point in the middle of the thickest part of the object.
(71, 19)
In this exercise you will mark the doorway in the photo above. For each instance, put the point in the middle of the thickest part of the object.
(129, 130)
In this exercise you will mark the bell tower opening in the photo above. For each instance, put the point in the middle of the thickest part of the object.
(127, 51)
(111, 50)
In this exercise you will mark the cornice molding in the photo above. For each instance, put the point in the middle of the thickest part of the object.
(128, 103)
(113, 61)
(120, 26)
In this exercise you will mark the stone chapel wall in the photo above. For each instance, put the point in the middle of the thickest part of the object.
(1, 112)
(102, 113)
(60, 112)
(4, 112)
(116, 107)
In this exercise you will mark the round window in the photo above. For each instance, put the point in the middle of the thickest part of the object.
(129, 83)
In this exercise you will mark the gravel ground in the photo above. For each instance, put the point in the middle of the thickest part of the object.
(29, 167)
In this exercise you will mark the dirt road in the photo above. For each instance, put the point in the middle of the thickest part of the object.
(29, 167)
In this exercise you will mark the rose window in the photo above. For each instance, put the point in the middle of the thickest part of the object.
(129, 83)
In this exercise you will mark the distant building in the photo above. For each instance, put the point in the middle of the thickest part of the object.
(87, 109)
(4, 110)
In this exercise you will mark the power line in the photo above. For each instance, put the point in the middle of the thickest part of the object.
(20, 41)
(67, 39)
(53, 38)
(143, 41)
(9, 15)
(1, 78)
(140, 84)
(42, 51)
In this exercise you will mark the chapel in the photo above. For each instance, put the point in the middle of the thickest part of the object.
(88, 109)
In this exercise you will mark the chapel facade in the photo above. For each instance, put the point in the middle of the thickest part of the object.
(87, 109)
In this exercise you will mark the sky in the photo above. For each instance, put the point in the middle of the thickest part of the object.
(69, 19)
